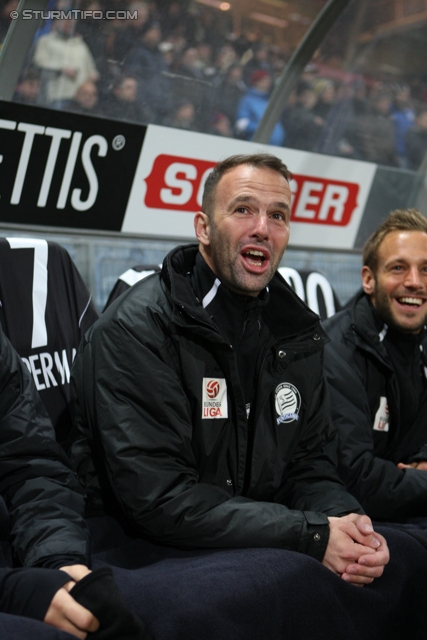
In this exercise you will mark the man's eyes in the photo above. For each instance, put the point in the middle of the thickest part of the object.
(399, 268)
(277, 215)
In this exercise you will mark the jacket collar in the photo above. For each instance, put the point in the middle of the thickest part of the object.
(365, 317)
(286, 315)
(369, 329)
(213, 293)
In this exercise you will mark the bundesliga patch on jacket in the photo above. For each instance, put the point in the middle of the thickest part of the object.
(214, 398)
(287, 402)
(382, 418)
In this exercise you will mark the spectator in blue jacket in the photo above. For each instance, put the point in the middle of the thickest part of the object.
(252, 107)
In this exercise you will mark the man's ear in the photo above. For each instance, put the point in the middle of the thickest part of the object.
(202, 228)
(368, 280)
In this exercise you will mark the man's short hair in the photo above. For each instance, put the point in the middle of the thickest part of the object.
(259, 160)
(398, 220)
(117, 82)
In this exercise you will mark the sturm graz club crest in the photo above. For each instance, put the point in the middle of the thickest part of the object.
(288, 402)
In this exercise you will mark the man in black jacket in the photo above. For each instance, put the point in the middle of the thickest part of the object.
(45, 526)
(376, 369)
(200, 399)
(46, 506)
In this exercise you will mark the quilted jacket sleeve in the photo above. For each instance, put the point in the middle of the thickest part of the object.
(45, 501)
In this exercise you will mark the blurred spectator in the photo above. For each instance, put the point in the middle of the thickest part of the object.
(204, 51)
(252, 107)
(416, 140)
(360, 98)
(230, 91)
(189, 86)
(303, 126)
(145, 62)
(341, 135)
(241, 43)
(122, 103)
(310, 73)
(212, 27)
(278, 61)
(374, 132)
(184, 116)
(171, 18)
(27, 90)
(167, 50)
(325, 94)
(225, 57)
(126, 33)
(323, 108)
(98, 38)
(403, 115)
(65, 62)
(86, 99)
(189, 64)
(177, 20)
(220, 125)
(259, 61)
(172, 48)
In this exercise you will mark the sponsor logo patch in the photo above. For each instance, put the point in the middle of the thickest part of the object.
(214, 398)
(382, 418)
(287, 402)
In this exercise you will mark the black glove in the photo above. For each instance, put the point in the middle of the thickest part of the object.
(99, 593)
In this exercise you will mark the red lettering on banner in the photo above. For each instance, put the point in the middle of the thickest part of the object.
(322, 201)
(177, 183)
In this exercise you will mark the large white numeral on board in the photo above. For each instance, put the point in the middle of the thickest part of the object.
(315, 280)
(39, 288)
(293, 279)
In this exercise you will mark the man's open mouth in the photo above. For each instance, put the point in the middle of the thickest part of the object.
(255, 257)
(411, 301)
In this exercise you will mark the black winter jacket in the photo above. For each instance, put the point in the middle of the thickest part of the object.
(44, 499)
(181, 458)
(359, 373)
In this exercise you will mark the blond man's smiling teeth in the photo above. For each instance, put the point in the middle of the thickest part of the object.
(409, 300)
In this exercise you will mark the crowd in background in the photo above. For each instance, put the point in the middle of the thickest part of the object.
(184, 67)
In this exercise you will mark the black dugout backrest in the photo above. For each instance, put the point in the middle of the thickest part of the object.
(45, 308)
(129, 278)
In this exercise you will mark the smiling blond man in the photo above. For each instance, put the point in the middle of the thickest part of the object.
(376, 368)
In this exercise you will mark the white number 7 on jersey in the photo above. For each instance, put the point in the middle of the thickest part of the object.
(39, 289)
